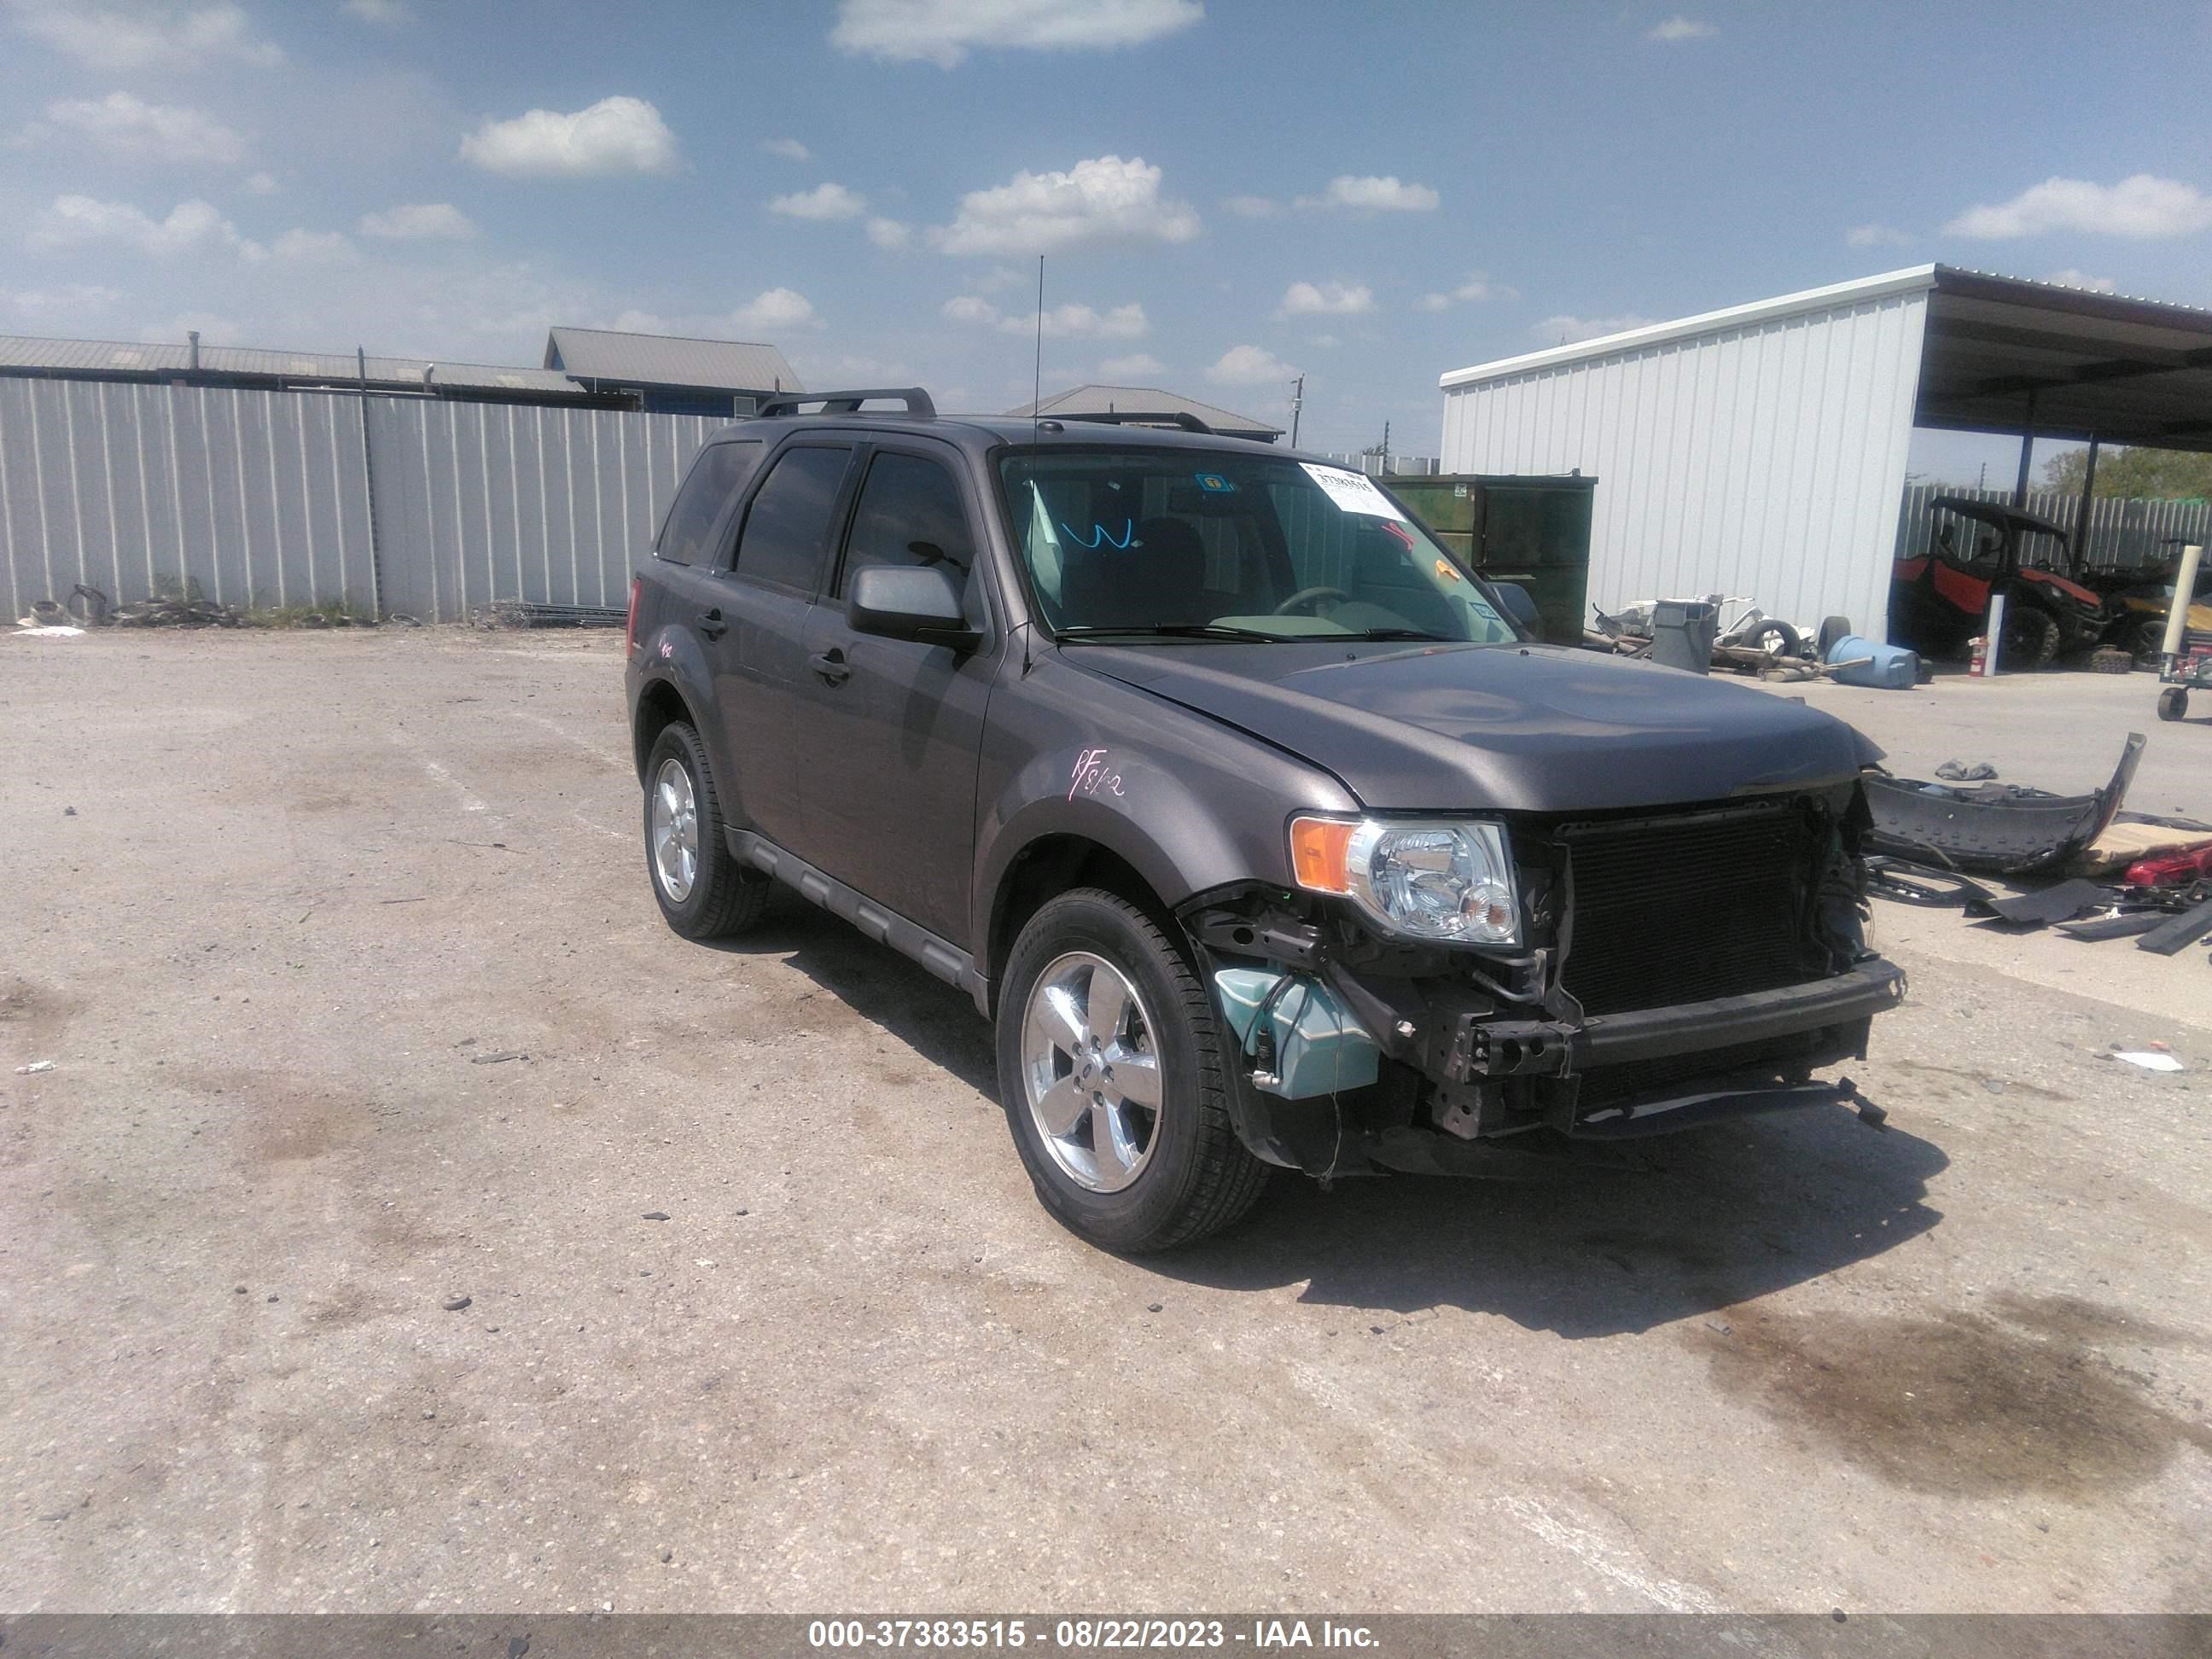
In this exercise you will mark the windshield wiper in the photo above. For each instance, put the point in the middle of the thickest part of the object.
(1396, 633)
(1173, 631)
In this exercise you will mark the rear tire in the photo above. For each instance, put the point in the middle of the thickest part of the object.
(702, 891)
(2173, 702)
(1126, 1176)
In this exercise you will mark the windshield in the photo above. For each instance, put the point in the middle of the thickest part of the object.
(1186, 543)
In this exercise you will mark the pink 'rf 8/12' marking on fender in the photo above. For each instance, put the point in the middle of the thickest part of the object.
(1092, 774)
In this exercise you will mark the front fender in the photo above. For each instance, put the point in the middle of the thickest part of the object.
(1188, 802)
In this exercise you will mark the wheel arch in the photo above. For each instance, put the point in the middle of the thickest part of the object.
(1056, 863)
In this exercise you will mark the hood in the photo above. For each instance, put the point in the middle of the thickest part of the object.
(1498, 728)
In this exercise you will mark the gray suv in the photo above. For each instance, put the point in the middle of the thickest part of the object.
(1259, 825)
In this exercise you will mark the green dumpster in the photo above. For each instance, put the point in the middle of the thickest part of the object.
(1534, 531)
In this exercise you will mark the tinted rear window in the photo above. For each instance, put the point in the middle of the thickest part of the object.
(788, 523)
(719, 473)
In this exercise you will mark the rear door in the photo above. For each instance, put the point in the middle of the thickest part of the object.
(757, 629)
(896, 726)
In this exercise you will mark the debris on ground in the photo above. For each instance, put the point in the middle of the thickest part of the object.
(516, 613)
(34, 1068)
(455, 1303)
(2148, 1060)
(1955, 771)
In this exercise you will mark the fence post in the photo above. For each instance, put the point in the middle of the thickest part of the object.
(368, 491)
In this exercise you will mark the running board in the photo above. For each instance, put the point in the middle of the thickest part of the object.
(941, 957)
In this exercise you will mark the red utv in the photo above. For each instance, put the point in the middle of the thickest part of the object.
(1941, 600)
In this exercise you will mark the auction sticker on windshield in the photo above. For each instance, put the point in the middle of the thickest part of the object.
(1352, 492)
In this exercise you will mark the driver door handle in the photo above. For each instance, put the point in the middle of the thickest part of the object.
(712, 625)
(831, 665)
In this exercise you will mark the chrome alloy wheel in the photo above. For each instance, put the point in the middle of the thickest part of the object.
(675, 831)
(1091, 1068)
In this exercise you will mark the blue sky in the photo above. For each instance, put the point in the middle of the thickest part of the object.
(1226, 192)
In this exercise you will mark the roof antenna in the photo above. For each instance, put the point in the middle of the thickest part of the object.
(1036, 383)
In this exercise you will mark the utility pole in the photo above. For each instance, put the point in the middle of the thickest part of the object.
(1298, 401)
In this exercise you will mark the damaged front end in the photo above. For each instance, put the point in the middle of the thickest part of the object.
(1663, 971)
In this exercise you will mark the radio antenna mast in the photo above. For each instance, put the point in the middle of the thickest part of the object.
(1036, 382)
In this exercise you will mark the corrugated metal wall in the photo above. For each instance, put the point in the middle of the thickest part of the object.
(264, 498)
(1764, 459)
(2124, 533)
(247, 497)
(478, 502)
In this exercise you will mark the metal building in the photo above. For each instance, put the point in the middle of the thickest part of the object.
(667, 374)
(1761, 450)
(1137, 402)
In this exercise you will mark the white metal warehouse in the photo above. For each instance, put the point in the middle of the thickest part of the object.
(1761, 450)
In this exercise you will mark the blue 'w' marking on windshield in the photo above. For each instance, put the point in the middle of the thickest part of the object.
(1100, 534)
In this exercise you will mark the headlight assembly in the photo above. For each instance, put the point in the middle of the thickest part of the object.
(1446, 880)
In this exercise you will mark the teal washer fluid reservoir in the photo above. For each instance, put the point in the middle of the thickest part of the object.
(1319, 1048)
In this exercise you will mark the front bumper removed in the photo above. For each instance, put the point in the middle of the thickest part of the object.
(1438, 1084)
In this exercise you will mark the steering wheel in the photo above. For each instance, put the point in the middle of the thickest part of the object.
(1309, 596)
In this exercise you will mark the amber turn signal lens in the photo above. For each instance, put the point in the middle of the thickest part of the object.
(1317, 852)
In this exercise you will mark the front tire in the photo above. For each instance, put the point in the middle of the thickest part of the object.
(2173, 702)
(1113, 1072)
(703, 892)
(2030, 638)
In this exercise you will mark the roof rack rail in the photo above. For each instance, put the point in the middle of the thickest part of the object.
(917, 401)
(1181, 417)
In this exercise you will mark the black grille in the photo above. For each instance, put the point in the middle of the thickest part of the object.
(1671, 910)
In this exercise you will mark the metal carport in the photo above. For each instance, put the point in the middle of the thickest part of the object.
(1761, 449)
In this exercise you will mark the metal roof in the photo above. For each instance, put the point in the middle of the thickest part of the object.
(2125, 370)
(607, 356)
(161, 358)
(1145, 400)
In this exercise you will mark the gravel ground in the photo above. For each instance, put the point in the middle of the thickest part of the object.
(334, 1279)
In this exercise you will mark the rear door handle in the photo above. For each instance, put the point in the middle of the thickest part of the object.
(712, 625)
(831, 665)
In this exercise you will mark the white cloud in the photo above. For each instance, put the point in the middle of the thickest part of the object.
(417, 222)
(822, 202)
(779, 308)
(1104, 200)
(790, 149)
(75, 221)
(2071, 277)
(389, 13)
(1474, 290)
(1679, 27)
(1327, 300)
(1367, 193)
(2140, 206)
(1247, 365)
(1875, 235)
(615, 136)
(1252, 207)
(1071, 321)
(1326, 342)
(262, 184)
(1570, 331)
(943, 32)
(314, 247)
(123, 125)
(1139, 366)
(68, 301)
(172, 37)
(890, 232)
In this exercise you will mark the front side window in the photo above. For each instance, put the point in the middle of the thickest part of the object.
(719, 473)
(787, 526)
(910, 513)
(1177, 541)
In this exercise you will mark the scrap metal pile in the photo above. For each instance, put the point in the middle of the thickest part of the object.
(2127, 875)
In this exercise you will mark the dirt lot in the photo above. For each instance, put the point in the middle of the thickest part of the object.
(358, 1005)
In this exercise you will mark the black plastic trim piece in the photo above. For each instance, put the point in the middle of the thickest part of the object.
(947, 961)
(1858, 993)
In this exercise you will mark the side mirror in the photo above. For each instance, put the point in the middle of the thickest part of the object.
(1515, 601)
(909, 602)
